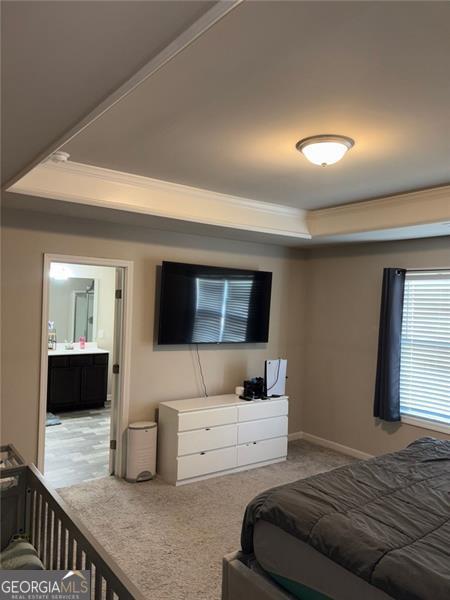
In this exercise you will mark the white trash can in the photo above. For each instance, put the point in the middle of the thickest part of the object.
(141, 451)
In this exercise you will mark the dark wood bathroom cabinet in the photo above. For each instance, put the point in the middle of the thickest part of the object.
(77, 381)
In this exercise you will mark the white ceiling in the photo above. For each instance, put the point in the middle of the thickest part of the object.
(60, 59)
(225, 114)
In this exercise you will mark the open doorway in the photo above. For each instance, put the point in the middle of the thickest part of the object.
(84, 368)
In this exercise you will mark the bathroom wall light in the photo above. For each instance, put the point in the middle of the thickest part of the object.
(324, 150)
(60, 272)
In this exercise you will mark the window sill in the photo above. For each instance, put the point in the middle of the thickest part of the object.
(425, 424)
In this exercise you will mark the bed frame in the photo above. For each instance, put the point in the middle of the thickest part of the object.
(242, 577)
(240, 580)
(29, 507)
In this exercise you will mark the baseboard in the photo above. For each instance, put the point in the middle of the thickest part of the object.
(314, 439)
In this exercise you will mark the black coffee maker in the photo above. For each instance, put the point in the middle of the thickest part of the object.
(253, 389)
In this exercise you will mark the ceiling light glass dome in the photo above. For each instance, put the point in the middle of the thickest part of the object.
(324, 150)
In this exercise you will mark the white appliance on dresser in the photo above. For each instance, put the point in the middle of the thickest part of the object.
(205, 437)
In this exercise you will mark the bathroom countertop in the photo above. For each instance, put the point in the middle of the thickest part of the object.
(89, 349)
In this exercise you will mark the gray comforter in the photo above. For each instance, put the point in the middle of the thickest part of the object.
(386, 519)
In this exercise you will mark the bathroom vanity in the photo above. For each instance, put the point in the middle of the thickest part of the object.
(77, 379)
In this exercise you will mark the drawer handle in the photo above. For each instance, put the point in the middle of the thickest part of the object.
(207, 428)
(254, 443)
(202, 453)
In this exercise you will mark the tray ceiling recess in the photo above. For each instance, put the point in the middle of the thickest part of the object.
(425, 213)
(206, 132)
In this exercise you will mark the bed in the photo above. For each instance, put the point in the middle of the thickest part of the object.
(39, 531)
(375, 529)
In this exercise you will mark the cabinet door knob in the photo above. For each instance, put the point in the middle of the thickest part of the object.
(207, 428)
(202, 453)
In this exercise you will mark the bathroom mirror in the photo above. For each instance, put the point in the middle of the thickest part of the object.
(73, 308)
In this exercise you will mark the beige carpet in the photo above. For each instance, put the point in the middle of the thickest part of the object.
(170, 540)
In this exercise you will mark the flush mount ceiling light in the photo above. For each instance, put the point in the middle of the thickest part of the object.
(324, 150)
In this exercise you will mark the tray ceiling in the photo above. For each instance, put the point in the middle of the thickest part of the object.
(61, 59)
(225, 113)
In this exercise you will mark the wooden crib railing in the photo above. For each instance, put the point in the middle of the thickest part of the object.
(31, 507)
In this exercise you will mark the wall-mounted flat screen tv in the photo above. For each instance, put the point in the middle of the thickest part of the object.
(213, 305)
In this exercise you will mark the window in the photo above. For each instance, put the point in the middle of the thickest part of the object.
(425, 347)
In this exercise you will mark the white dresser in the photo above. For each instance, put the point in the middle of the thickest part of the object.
(206, 437)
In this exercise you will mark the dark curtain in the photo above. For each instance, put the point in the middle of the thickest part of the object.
(387, 385)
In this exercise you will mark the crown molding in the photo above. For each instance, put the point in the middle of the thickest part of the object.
(434, 193)
(158, 185)
(409, 209)
(413, 214)
(97, 186)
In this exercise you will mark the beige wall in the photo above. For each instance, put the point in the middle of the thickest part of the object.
(157, 374)
(324, 319)
(341, 336)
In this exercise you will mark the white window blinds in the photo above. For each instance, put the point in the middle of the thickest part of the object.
(425, 346)
(222, 310)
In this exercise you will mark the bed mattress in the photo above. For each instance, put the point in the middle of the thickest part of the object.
(385, 520)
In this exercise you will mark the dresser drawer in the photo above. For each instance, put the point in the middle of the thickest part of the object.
(209, 438)
(255, 452)
(263, 410)
(263, 429)
(204, 463)
(207, 418)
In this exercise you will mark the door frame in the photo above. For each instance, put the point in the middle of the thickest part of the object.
(122, 408)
